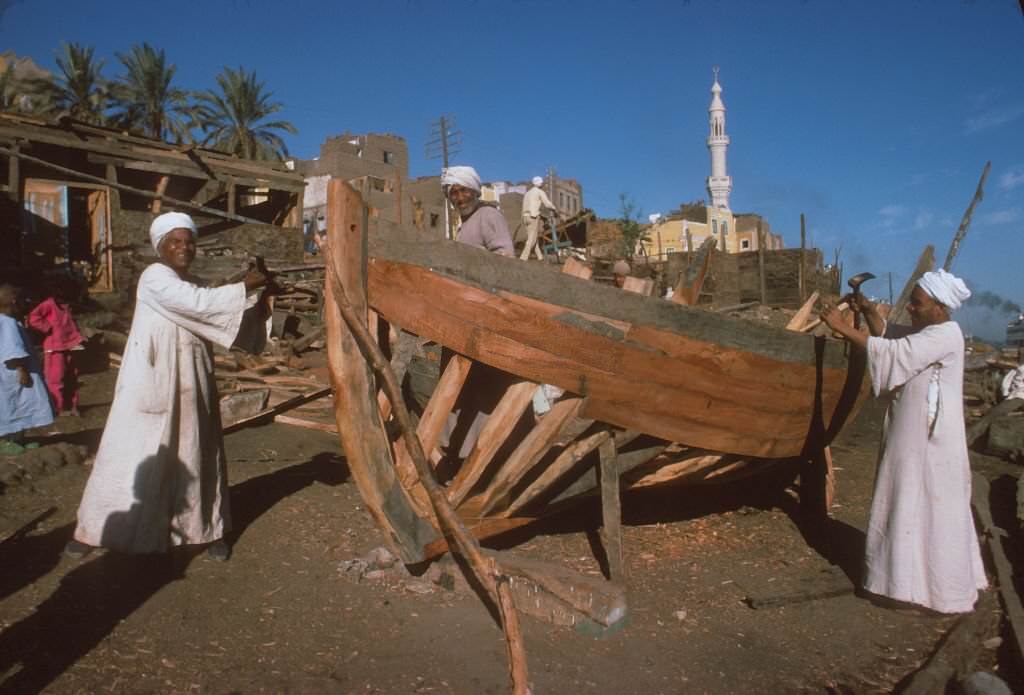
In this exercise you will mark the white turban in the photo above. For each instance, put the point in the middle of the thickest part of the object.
(945, 288)
(461, 176)
(538, 181)
(166, 223)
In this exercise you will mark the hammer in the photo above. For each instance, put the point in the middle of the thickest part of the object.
(855, 282)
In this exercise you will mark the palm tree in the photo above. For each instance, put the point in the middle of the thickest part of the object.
(233, 118)
(78, 89)
(144, 99)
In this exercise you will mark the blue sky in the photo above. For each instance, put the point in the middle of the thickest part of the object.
(874, 119)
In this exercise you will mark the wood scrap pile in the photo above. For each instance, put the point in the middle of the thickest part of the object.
(994, 416)
(263, 389)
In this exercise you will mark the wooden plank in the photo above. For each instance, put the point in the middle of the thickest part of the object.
(600, 601)
(306, 423)
(438, 408)
(611, 510)
(279, 408)
(366, 445)
(529, 453)
(493, 434)
(803, 313)
(577, 269)
(687, 291)
(642, 286)
(563, 463)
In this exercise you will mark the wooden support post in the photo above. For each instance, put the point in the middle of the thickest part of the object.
(611, 510)
(815, 473)
(232, 195)
(801, 278)
(161, 188)
(760, 263)
(13, 175)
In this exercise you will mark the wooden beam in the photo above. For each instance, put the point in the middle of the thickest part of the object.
(961, 232)
(611, 510)
(687, 291)
(363, 438)
(495, 431)
(1014, 609)
(132, 189)
(800, 317)
(306, 424)
(439, 407)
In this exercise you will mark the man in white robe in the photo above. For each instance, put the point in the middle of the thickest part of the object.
(159, 478)
(921, 545)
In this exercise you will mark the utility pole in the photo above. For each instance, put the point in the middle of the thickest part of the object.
(446, 140)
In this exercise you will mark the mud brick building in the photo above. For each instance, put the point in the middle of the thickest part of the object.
(80, 198)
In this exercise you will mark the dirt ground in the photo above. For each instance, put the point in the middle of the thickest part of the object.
(283, 617)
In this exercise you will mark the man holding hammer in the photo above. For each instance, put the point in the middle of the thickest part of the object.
(921, 546)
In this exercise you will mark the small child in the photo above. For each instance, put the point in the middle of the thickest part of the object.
(52, 318)
(23, 399)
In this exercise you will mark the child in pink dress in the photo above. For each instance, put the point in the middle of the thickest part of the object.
(52, 317)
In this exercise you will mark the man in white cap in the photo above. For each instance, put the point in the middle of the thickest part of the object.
(482, 225)
(534, 202)
(160, 478)
(921, 546)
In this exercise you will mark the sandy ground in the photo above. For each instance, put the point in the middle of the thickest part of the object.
(282, 617)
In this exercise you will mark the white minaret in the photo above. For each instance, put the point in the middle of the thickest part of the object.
(719, 183)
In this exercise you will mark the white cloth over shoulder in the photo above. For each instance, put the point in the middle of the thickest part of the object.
(160, 478)
(21, 407)
(1013, 383)
(921, 544)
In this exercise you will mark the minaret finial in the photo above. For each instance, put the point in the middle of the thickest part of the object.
(715, 71)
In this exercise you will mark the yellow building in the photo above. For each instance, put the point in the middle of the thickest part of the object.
(687, 229)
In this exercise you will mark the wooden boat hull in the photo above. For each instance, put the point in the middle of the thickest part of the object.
(671, 371)
(656, 393)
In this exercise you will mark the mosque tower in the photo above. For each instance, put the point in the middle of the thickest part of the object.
(719, 183)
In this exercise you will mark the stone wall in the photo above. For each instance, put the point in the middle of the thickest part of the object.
(735, 278)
